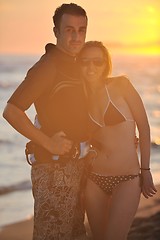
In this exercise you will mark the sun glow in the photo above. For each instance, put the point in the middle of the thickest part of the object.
(128, 27)
(152, 50)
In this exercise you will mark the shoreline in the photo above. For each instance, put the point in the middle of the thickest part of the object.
(146, 222)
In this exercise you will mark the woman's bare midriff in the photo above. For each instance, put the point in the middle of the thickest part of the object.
(118, 153)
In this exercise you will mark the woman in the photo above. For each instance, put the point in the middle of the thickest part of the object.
(114, 184)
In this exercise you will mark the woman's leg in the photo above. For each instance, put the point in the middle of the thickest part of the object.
(96, 203)
(123, 207)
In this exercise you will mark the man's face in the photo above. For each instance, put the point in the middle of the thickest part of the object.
(72, 33)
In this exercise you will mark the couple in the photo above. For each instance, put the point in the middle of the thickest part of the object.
(76, 102)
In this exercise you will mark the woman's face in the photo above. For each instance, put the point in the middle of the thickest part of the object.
(92, 65)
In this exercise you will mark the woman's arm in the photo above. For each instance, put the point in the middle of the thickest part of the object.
(137, 108)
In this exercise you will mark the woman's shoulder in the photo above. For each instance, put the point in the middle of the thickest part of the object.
(118, 81)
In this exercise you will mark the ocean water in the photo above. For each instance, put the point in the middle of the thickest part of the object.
(16, 202)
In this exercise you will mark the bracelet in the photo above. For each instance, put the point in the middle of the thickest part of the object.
(145, 168)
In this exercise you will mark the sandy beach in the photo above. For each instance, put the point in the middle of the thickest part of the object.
(146, 225)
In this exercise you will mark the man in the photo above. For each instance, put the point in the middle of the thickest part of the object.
(54, 87)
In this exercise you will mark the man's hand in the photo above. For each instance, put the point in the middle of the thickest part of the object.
(60, 144)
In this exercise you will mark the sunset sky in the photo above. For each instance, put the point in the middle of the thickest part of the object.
(126, 26)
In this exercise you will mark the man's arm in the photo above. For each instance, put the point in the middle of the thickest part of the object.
(18, 119)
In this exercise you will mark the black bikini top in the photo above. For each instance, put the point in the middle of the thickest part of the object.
(112, 115)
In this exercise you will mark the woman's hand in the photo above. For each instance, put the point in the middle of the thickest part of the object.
(136, 141)
(148, 188)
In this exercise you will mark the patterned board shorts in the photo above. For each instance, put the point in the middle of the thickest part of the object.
(58, 214)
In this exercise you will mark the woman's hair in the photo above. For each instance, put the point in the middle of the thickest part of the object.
(107, 57)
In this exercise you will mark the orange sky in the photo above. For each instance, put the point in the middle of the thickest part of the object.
(125, 25)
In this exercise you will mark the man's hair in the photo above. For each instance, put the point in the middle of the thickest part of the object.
(71, 8)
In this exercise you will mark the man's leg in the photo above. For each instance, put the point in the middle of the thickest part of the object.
(56, 192)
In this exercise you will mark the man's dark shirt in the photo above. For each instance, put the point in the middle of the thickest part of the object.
(54, 86)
